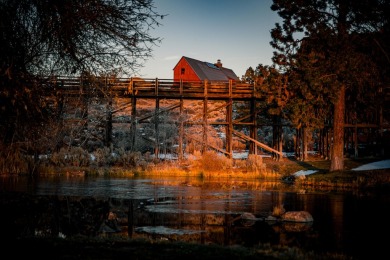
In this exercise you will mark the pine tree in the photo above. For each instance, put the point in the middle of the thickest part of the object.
(320, 45)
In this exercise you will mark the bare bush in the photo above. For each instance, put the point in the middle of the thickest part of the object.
(103, 157)
(254, 162)
(128, 158)
(73, 156)
(213, 162)
(12, 161)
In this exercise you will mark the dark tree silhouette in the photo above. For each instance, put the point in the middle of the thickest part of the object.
(332, 48)
(66, 37)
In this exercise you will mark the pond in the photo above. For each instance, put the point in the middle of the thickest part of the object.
(210, 211)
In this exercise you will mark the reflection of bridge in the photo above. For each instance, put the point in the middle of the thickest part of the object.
(135, 89)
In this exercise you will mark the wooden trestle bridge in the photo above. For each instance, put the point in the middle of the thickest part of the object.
(135, 89)
(86, 90)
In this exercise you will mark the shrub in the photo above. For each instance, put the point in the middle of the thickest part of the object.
(73, 156)
(103, 157)
(12, 161)
(128, 158)
(254, 163)
(212, 161)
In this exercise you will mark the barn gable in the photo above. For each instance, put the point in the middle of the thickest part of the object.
(188, 69)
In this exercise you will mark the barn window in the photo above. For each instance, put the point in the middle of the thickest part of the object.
(183, 70)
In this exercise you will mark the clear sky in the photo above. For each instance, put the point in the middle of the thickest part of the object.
(236, 32)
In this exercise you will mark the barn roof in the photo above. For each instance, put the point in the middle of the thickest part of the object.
(207, 70)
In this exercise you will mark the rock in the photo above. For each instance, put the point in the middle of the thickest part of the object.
(288, 179)
(247, 215)
(271, 218)
(297, 216)
(248, 219)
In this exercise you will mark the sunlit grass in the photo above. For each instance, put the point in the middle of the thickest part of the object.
(278, 211)
(77, 163)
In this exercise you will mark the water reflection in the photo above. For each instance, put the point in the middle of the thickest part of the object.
(210, 212)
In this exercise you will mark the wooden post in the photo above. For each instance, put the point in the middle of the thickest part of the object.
(253, 127)
(181, 130)
(205, 123)
(229, 128)
(133, 127)
(229, 120)
(108, 137)
(85, 100)
(276, 136)
(156, 86)
(230, 88)
(181, 88)
(156, 127)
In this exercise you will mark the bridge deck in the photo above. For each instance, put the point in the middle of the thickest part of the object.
(154, 88)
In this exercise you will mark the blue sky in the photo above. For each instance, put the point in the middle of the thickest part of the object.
(236, 32)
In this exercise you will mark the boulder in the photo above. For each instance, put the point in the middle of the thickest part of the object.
(297, 216)
(248, 219)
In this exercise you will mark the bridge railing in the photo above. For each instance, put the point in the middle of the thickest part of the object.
(144, 86)
(191, 87)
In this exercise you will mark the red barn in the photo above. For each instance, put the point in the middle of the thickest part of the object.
(188, 69)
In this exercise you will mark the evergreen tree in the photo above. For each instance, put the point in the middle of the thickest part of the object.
(324, 45)
(271, 88)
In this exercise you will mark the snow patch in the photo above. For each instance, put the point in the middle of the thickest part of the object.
(385, 164)
(304, 173)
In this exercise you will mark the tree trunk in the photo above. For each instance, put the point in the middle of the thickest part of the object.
(337, 155)
(297, 143)
(277, 137)
(304, 144)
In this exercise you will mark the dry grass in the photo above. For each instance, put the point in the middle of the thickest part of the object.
(278, 211)
(213, 165)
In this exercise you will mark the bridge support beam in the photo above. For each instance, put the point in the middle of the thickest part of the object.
(253, 127)
(108, 136)
(181, 131)
(133, 126)
(229, 128)
(156, 129)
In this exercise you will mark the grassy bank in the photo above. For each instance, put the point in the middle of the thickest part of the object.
(323, 179)
(207, 165)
